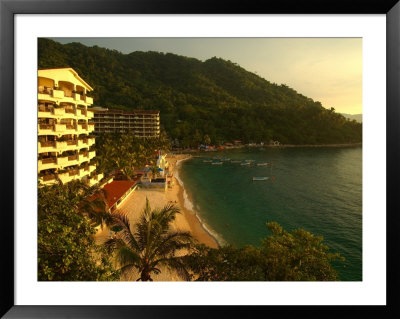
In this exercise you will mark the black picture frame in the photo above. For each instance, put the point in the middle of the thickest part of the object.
(8, 10)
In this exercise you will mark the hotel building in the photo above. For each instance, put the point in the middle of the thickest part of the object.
(65, 142)
(141, 123)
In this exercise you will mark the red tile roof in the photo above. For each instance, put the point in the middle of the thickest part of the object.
(116, 189)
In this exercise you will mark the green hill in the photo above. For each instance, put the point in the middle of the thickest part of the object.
(217, 98)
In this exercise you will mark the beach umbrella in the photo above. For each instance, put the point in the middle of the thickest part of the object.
(160, 169)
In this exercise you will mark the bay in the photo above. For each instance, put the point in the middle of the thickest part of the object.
(317, 189)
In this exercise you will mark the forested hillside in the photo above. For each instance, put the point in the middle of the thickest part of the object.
(217, 98)
(356, 117)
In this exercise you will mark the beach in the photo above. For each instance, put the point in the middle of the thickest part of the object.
(185, 221)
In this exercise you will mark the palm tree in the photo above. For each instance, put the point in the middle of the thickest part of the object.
(94, 205)
(152, 244)
(88, 201)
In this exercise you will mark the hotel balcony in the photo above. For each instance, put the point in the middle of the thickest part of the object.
(84, 157)
(66, 161)
(62, 112)
(91, 141)
(84, 172)
(47, 163)
(69, 176)
(70, 145)
(80, 113)
(86, 142)
(56, 146)
(82, 128)
(89, 100)
(47, 112)
(76, 96)
(46, 129)
(95, 179)
(91, 127)
(58, 94)
(68, 128)
(90, 114)
(64, 177)
(70, 112)
(83, 143)
(86, 99)
(48, 179)
(92, 154)
(47, 93)
(51, 94)
(46, 147)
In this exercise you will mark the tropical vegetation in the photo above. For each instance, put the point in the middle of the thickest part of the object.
(215, 100)
(67, 250)
(152, 244)
(208, 102)
(283, 256)
(126, 153)
(66, 247)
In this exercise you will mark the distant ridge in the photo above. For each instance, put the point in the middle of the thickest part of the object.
(357, 117)
(210, 102)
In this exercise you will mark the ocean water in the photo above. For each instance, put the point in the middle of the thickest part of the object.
(318, 189)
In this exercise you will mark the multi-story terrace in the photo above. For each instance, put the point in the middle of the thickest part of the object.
(141, 123)
(65, 142)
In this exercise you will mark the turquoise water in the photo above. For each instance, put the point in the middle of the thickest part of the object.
(318, 189)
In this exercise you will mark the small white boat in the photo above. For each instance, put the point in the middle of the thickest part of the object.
(216, 163)
(245, 163)
(262, 164)
(260, 178)
(207, 161)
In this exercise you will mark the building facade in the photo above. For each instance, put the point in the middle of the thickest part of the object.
(65, 139)
(141, 123)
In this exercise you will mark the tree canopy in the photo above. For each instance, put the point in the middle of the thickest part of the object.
(151, 244)
(283, 256)
(66, 247)
(214, 100)
(127, 153)
(67, 250)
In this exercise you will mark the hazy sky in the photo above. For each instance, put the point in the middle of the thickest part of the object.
(328, 70)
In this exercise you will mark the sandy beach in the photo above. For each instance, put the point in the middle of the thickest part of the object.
(185, 221)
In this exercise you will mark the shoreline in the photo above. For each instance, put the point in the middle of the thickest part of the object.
(186, 221)
(197, 228)
(227, 148)
(311, 145)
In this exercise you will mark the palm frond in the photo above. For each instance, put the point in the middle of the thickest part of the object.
(113, 243)
(121, 219)
(152, 243)
(173, 242)
(127, 268)
(177, 264)
(126, 256)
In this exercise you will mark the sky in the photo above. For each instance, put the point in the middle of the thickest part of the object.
(328, 70)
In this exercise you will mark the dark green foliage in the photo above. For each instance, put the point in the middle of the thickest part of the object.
(66, 247)
(150, 244)
(296, 256)
(127, 153)
(217, 98)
